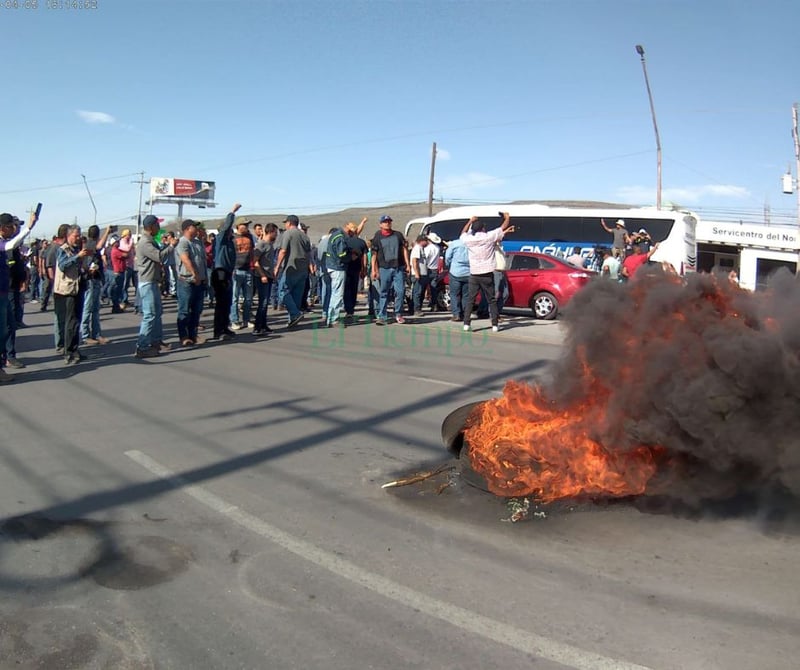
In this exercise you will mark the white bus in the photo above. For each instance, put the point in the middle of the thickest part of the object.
(558, 230)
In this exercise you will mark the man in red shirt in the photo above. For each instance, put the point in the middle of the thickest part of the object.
(636, 260)
(119, 262)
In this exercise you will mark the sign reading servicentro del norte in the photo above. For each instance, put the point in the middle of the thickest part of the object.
(748, 234)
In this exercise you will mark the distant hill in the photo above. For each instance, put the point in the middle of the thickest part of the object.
(401, 213)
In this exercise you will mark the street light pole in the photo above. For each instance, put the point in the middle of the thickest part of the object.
(141, 182)
(91, 199)
(640, 51)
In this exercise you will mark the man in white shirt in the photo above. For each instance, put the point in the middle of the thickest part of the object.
(480, 247)
(610, 267)
(425, 268)
(575, 258)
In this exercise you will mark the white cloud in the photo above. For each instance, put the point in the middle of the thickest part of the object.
(442, 154)
(688, 195)
(464, 185)
(95, 117)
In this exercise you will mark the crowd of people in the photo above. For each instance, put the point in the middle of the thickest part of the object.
(227, 271)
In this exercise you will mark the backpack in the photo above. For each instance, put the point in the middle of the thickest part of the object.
(337, 247)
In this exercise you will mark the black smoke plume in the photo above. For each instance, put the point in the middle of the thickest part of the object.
(702, 368)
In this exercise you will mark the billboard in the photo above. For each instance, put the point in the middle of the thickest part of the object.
(168, 188)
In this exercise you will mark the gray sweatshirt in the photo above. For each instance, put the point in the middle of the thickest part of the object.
(149, 259)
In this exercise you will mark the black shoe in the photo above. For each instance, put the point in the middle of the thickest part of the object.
(43, 308)
(293, 322)
(22, 325)
(229, 332)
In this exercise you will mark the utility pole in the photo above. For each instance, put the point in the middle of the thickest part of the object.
(91, 199)
(141, 183)
(640, 51)
(430, 183)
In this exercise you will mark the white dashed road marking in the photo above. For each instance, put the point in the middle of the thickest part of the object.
(491, 629)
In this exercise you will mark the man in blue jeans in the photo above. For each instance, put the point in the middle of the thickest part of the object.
(264, 260)
(456, 258)
(294, 254)
(149, 262)
(190, 267)
(242, 275)
(337, 257)
(389, 264)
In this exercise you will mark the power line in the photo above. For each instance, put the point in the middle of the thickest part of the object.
(75, 183)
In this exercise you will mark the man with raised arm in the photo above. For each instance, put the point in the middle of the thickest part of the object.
(222, 276)
(7, 245)
(480, 247)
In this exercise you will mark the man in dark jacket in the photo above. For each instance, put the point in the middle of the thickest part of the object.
(221, 277)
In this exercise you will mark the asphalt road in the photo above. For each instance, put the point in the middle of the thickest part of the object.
(221, 507)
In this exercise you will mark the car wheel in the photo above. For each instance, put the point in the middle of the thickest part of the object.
(544, 306)
(443, 299)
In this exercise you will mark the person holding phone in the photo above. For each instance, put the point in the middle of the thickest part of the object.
(10, 238)
(69, 286)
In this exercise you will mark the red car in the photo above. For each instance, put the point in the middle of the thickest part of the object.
(542, 283)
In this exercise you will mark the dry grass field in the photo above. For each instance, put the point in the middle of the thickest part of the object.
(401, 213)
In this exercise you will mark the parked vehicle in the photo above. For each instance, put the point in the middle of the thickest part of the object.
(542, 283)
(539, 282)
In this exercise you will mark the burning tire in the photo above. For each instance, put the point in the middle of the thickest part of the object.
(544, 306)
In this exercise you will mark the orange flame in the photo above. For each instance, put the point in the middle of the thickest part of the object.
(523, 444)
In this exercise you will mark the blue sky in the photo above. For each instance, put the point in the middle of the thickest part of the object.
(315, 106)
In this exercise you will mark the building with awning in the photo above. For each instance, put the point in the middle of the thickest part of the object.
(753, 250)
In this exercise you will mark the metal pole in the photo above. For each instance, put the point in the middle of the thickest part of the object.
(796, 137)
(430, 183)
(139, 216)
(640, 51)
(91, 199)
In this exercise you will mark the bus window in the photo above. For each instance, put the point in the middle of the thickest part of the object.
(658, 228)
(527, 228)
(447, 230)
(561, 229)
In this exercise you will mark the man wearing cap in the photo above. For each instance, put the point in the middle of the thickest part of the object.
(149, 262)
(242, 277)
(621, 237)
(68, 290)
(389, 263)
(190, 265)
(222, 276)
(295, 249)
(643, 239)
(10, 239)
